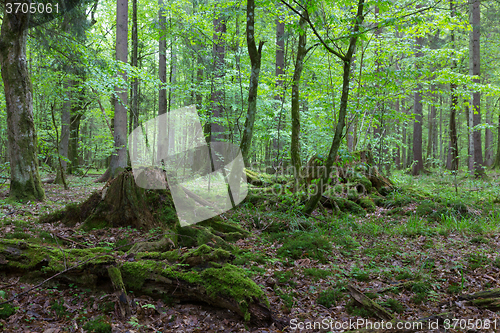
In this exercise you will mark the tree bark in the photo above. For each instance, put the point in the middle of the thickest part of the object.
(418, 163)
(255, 57)
(279, 73)
(453, 148)
(295, 112)
(65, 125)
(119, 158)
(475, 69)
(217, 130)
(25, 181)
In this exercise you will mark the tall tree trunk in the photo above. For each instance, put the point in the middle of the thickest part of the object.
(65, 128)
(162, 61)
(279, 72)
(135, 82)
(475, 69)
(255, 57)
(488, 139)
(418, 163)
(453, 147)
(430, 135)
(295, 112)
(134, 96)
(217, 130)
(397, 158)
(119, 158)
(496, 163)
(344, 99)
(24, 177)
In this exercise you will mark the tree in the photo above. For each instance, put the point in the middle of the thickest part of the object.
(217, 130)
(255, 58)
(279, 73)
(295, 113)
(24, 177)
(475, 70)
(418, 162)
(119, 158)
(453, 148)
(346, 59)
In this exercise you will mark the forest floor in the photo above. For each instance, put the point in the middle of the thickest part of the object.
(430, 241)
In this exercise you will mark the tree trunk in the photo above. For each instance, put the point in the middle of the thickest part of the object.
(65, 128)
(280, 98)
(25, 181)
(453, 148)
(134, 96)
(475, 69)
(430, 138)
(496, 163)
(217, 130)
(344, 99)
(255, 56)
(488, 140)
(119, 158)
(295, 112)
(418, 163)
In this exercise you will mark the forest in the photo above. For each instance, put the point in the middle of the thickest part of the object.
(249, 166)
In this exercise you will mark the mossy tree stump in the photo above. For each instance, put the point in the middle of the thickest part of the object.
(156, 268)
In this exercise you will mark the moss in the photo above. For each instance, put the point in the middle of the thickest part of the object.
(171, 256)
(367, 204)
(98, 325)
(206, 253)
(27, 257)
(216, 223)
(309, 245)
(116, 277)
(329, 298)
(6, 310)
(230, 280)
(196, 235)
(366, 185)
(349, 206)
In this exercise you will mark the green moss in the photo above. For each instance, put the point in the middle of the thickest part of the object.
(116, 277)
(171, 256)
(98, 325)
(230, 280)
(317, 273)
(349, 206)
(329, 298)
(367, 204)
(310, 245)
(393, 304)
(6, 310)
(216, 223)
(196, 235)
(206, 253)
(225, 280)
(245, 257)
(366, 184)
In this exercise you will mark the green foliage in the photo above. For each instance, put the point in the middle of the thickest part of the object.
(6, 310)
(285, 278)
(317, 273)
(59, 309)
(329, 298)
(393, 304)
(303, 244)
(98, 325)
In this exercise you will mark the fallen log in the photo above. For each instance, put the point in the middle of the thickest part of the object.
(155, 274)
(486, 299)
